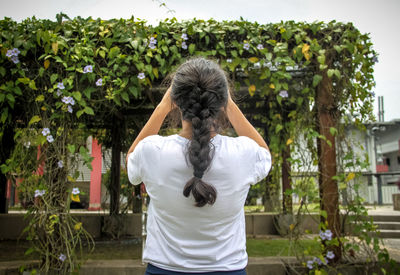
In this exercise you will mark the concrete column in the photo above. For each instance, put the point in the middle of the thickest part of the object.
(95, 177)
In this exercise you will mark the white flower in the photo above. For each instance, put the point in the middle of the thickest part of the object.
(27, 144)
(284, 93)
(141, 76)
(50, 138)
(99, 82)
(45, 131)
(59, 93)
(184, 46)
(70, 109)
(39, 193)
(62, 257)
(75, 191)
(60, 164)
(246, 46)
(260, 46)
(184, 36)
(229, 60)
(310, 264)
(330, 255)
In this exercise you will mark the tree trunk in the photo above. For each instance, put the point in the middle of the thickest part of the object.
(7, 144)
(287, 206)
(327, 118)
(115, 167)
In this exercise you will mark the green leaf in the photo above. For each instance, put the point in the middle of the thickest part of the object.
(2, 71)
(333, 131)
(79, 113)
(40, 98)
(24, 80)
(77, 95)
(324, 214)
(192, 47)
(71, 148)
(53, 78)
(316, 80)
(10, 98)
(33, 120)
(321, 59)
(330, 72)
(114, 51)
(89, 110)
(278, 128)
(32, 85)
(125, 96)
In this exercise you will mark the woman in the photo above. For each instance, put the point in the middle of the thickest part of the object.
(197, 180)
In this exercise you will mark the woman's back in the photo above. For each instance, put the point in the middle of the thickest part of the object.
(181, 236)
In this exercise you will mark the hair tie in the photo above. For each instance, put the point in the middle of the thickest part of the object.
(198, 175)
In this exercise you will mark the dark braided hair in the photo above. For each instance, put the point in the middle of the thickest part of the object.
(200, 90)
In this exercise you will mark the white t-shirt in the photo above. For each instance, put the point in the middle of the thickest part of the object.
(183, 237)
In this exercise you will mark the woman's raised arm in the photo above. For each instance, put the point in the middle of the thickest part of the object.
(153, 125)
(241, 125)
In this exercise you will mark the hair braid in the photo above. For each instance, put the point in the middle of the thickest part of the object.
(200, 91)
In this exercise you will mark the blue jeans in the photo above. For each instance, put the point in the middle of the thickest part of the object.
(153, 270)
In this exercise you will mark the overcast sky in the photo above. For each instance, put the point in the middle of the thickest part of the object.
(379, 18)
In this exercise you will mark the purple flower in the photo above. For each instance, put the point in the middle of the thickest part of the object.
(330, 255)
(15, 51)
(152, 43)
(229, 60)
(318, 261)
(328, 234)
(153, 40)
(68, 100)
(260, 46)
(62, 257)
(88, 69)
(75, 191)
(9, 53)
(15, 59)
(284, 93)
(375, 59)
(59, 93)
(60, 86)
(99, 82)
(373, 94)
(184, 46)
(50, 138)
(39, 193)
(45, 131)
(246, 46)
(310, 264)
(184, 36)
(60, 164)
(70, 109)
(141, 76)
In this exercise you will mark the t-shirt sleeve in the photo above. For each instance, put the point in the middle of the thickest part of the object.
(259, 159)
(262, 163)
(133, 165)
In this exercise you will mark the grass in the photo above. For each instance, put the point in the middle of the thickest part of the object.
(279, 247)
(130, 249)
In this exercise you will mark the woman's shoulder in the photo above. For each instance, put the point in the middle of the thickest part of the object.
(241, 141)
(159, 141)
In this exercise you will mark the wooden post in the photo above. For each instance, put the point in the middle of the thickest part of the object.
(329, 194)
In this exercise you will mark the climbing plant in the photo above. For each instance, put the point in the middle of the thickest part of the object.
(62, 79)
